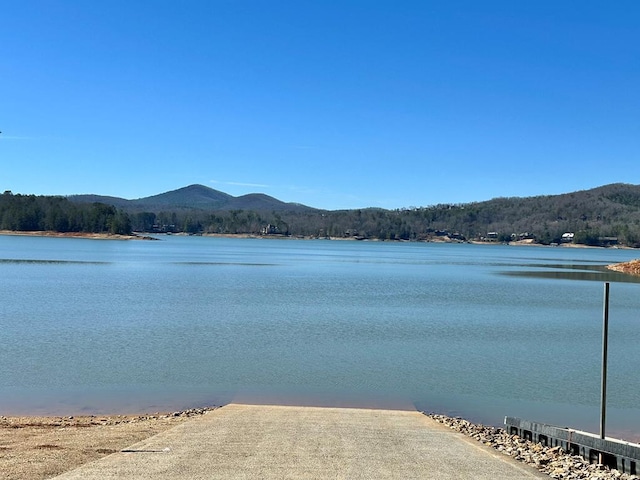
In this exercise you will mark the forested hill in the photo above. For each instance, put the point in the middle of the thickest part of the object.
(48, 213)
(195, 197)
(605, 215)
(592, 215)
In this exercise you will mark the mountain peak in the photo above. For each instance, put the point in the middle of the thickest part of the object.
(199, 197)
(192, 196)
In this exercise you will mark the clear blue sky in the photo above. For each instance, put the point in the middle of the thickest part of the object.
(334, 104)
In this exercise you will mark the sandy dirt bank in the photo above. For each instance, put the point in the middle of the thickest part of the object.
(97, 236)
(42, 447)
(632, 267)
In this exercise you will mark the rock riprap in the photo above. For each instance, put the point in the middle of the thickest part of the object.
(553, 461)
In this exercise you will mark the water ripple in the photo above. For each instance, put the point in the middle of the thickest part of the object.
(24, 261)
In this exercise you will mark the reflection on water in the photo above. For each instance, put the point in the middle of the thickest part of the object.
(47, 262)
(479, 331)
(596, 273)
(217, 264)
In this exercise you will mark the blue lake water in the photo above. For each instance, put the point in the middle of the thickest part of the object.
(90, 326)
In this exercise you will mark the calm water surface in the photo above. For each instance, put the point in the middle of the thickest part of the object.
(479, 331)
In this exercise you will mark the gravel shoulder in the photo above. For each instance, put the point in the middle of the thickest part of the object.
(551, 461)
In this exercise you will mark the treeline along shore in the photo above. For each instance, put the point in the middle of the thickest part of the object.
(605, 216)
(31, 213)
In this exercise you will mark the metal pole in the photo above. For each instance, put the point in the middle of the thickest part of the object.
(605, 335)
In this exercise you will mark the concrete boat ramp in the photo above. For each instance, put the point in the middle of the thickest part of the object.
(283, 442)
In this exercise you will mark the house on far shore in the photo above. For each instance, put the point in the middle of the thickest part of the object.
(567, 237)
(492, 235)
(608, 241)
(269, 230)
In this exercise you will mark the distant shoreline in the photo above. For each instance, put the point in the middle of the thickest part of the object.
(152, 236)
(89, 235)
(526, 243)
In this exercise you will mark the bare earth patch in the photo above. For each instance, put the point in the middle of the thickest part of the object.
(95, 236)
(632, 267)
(43, 447)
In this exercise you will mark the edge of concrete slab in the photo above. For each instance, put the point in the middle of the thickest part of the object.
(274, 441)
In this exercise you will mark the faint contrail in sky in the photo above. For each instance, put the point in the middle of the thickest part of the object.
(15, 137)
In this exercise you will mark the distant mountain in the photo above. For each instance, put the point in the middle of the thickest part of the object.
(193, 196)
(604, 216)
(92, 198)
(260, 201)
(197, 197)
